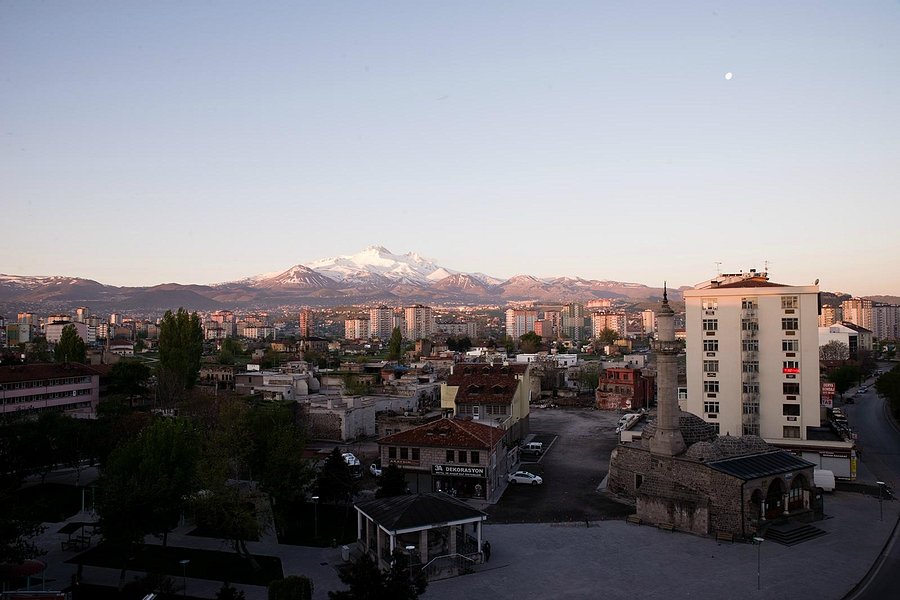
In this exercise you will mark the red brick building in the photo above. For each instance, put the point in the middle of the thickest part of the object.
(624, 388)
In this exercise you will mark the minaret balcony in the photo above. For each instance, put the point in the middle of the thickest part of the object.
(667, 347)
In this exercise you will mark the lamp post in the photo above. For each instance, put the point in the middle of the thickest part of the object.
(184, 563)
(409, 552)
(881, 485)
(315, 500)
(759, 542)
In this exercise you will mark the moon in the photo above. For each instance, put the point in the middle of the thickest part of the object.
(728, 76)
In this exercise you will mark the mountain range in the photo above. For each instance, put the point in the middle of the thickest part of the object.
(372, 275)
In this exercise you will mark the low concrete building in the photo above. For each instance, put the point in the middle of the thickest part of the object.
(339, 418)
(71, 388)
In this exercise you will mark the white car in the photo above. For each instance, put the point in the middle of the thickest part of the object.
(524, 477)
(375, 469)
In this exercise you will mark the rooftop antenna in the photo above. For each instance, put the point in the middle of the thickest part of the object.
(718, 267)
(766, 263)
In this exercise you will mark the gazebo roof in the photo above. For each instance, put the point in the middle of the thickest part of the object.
(418, 511)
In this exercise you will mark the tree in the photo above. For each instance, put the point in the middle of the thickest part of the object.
(834, 350)
(608, 336)
(129, 378)
(229, 592)
(70, 347)
(395, 345)
(391, 483)
(180, 348)
(530, 342)
(38, 351)
(888, 385)
(463, 344)
(367, 582)
(843, 377)
(295, 587)
(335, 482)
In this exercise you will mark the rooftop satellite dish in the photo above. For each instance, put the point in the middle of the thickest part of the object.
(816, 282)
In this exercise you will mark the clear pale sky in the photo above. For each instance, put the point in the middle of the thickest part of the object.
(198, 142)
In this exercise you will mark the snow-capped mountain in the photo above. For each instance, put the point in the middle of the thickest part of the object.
(377, 260)
(298, 276)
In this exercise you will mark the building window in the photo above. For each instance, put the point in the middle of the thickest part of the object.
(791, 366)
(392, 452)
(790, 389)
(751, 408)
(750, 388)
(710, 366)
(415, 454)
(710, 324)
(791, 432)
(751, 429)
(638, 480)
(790, 323)
(450, 456)
(790, 345)
(476, 457)
(790, 302)
(750, 366)
(790, 410)
(715, 427)
(750, 345)
(710, 406)
(749, 325)
(404, 453)
(710, 303)
(710, 345)
(748, 303)
(711, 387)
(463, 456)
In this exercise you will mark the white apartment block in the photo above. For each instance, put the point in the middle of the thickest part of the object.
(356, 329)
(648, 321)
(618, 322)
(858, 311)
(419, 322)
(886, 321)
(753, 356)
(830, 315)
(455, 327)
(519, 321)
(53, 332)
(573, 321)
(381, 322)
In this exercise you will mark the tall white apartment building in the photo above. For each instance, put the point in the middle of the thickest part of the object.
(830, 315)
(858, 311)
(573, 321)
(519, 321)
(753, 356)
(886, 321)
(618, 322)
(648, 321)
(356, 329)
(381, 322)
(419, 322)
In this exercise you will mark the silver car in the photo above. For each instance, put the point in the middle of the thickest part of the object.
(524, 477)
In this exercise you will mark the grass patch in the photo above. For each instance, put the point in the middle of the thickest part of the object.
(49, 502)
(204, 564)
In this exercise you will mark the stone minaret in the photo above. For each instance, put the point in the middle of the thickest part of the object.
(668, 440)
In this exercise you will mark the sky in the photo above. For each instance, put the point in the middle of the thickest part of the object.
(200, 142)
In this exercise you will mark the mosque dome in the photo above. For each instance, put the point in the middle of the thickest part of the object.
(704, 452)
(693, 430)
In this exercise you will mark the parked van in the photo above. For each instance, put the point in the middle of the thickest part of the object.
(824, 479)
(533, 448)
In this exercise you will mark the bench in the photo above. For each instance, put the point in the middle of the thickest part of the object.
(666, 526)
(725, 536)
(633, 519)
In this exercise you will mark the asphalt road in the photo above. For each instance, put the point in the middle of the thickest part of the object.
(577, 444)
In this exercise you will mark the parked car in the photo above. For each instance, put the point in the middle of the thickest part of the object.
(524, 477)
(355, 466)
(375, 468)
(535, 448)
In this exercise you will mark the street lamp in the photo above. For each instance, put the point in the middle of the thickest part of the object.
(409, 551)
(759, 542)
(881, 485)
(315, 500)
(184, 563)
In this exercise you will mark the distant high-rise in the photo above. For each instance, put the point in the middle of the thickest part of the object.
(381, 322)
(648, 321)
(830, 315)
(618, 322)
(81, 314)
(573, 321)
(419, 322)
(886, 321)
(519, 322)
(305, 322)
(356, 329)
(858, 311)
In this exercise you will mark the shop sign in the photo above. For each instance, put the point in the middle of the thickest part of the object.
(458, 471)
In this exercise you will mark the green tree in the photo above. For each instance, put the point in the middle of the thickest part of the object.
(608, 336)
(129, 378)
(530, 342)
(180, 348)
(391, 483)
(17, 528)
(844, 377)
(367, 582)
(70, 347)
(38, 351)
(888, 385)
(229, 592)
(335, 482)
(834, 350)
(395, 345)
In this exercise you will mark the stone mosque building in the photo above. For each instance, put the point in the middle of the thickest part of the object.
(682, 475)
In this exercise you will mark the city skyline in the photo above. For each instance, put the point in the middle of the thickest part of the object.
(198, 143)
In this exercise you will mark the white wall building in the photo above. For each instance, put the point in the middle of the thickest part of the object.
(753, 356)
(618, 322)
(648, 321)
(519, 322)
(381, 322)
(419, 322)
(886, 321)
(356, 329)
(858, 311)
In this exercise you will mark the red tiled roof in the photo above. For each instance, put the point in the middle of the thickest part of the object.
(34, 372)
(467, 369)
(448, 433)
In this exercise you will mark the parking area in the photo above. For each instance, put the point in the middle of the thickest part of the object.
(577, 445)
